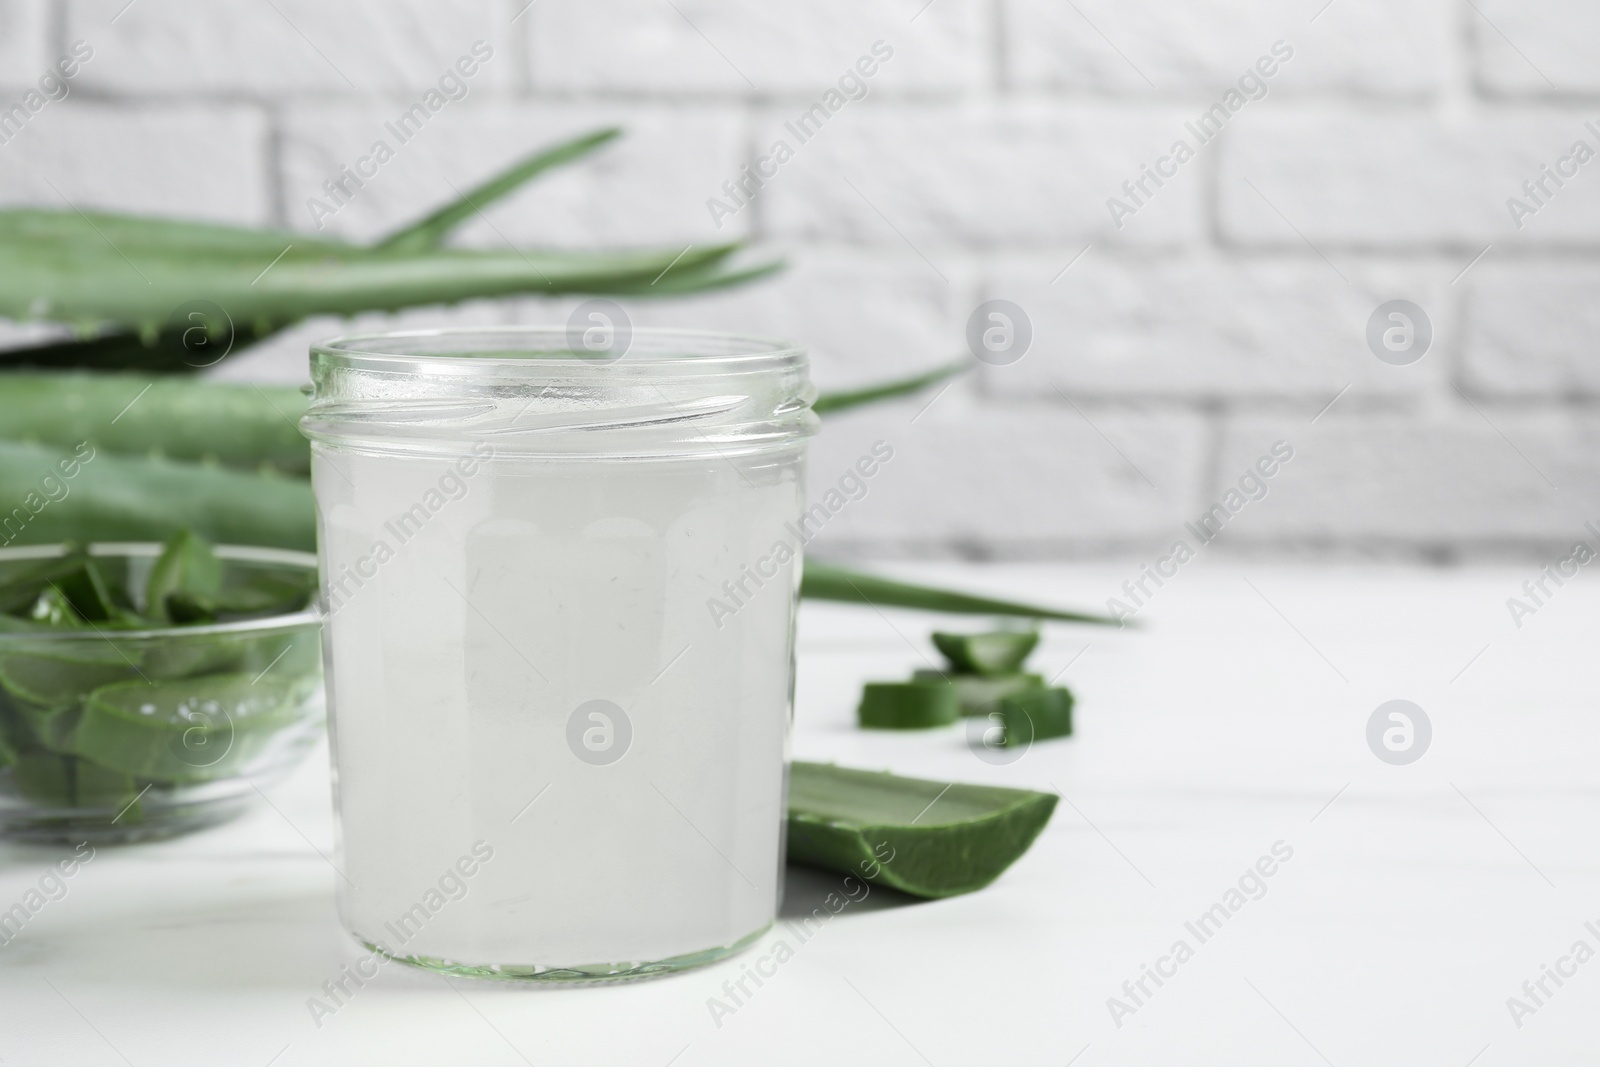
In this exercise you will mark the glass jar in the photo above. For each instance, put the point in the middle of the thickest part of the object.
(559, 592)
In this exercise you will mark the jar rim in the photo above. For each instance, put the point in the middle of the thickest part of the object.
(450, 350)
(535, 390)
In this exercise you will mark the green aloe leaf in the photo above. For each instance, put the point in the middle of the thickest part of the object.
(930, 839)
(680, 280)
(143, 233)
(118, 498)
(84, 280)
(170, 350)
(152, 330)
(826, 581)
(247, 427)
(829, 403)
(430, 231)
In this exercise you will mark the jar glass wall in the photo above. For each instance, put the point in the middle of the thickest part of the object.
(559, 641)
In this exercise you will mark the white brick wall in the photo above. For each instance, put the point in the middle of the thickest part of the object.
(1226, 312)
(24, 53)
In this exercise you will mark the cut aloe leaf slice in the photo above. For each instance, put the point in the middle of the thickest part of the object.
(63, 781)
(96, 786)
(977, 694)
(44, 778)
(927, 838)
(53, 611)
(187, 565)
(42, 727)
(57, 680)
(22, 588)
(996, 652)
(263, 595)
(15, 729)
(93, 593)
(1036, 714)
(188, 730)
(914, 705)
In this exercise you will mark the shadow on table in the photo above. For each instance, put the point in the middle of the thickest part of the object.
(807, 890)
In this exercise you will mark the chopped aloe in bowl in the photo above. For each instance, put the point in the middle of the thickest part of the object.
(148, 689)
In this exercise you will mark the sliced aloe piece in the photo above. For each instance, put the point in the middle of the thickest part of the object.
(63, 781)
(54, 680)
(16, 730)
(42, 727)
(262, 595)
(1036, 714)
(927, 838)
(995, 652)
(187, 566)
(188, 730)
(96, 786)
(975, 693)
(53, 611)
(23, 585)
(44, 778)
(914, 705)
(94, 593)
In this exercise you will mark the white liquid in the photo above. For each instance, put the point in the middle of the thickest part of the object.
(453, 671)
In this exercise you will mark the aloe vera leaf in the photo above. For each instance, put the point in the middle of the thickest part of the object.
(994, 652)
(429, 231)
(185, 730)
(977, 693)
(142, 232)
(169, 351)
(843, 400)
(116, 498)
(240, 426)
(187, 566)
(914, 705)
(85, 281)
(680, 280)
(1035, 715)
(927, 838)
(157, 346)
(827, 581)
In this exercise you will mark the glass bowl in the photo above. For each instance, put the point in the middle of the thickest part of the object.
(118, 734)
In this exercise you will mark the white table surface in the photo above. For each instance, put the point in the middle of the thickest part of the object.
(1415, 904)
